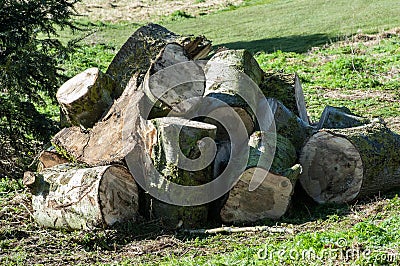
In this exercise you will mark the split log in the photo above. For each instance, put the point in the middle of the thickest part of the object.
(286, 122)
(48, 159)
(114, 137)
(341, 165)
(232, 77)
(274, 174)
(342, 117)
(172, 80)
(85, 97)
(176, 154)
(71, 197)
(136, 55)
(287, 89)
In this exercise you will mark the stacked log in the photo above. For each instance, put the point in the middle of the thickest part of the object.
(275, 176)
(231, 76)
(341, 165)
(71, 197)
(286, 88)
(179, 145)
(85, 97)
(160, 119)
(333, 117)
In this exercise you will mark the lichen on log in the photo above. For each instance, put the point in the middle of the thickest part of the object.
(287, 89)
(178, 146)
(341, 165)
(271, 166)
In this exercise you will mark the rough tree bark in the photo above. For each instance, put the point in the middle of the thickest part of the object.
(341, 165)
(85, 97)
(70, 197)
(286, 122)
(232, 77)
(275, 181)
(287, 89)
(172, 80)
(342, 117)
(179, 143)
(136, 55)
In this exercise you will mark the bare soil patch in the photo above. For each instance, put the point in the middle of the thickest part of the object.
(147, 10)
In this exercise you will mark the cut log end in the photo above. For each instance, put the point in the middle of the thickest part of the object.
(269, 201)
(78, 86)
(85, 97)
(71, 197)
(332, 168)
(118, 196)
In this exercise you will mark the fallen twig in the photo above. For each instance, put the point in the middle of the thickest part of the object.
(227, 229)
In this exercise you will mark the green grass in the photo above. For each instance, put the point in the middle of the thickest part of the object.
(271, 25)
(290, 25)
(345, 69)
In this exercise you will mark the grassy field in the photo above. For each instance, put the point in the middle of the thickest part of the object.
(360, 71)
(270, 25)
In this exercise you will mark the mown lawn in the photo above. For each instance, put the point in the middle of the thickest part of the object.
(359, 71)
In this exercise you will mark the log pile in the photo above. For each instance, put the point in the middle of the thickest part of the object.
(165, 135)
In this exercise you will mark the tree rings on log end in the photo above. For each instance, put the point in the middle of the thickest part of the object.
(118, 196)
(332, 168)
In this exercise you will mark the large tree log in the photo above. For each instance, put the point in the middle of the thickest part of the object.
(334, 117)
(136, 55)
(178, 145)
(226, 63)
(70, 197)
(341, 165)
(85, 97)
(114, 137)
(286, 122)
(287, 89)
(232, 77)
(172, 80)
(275, 175)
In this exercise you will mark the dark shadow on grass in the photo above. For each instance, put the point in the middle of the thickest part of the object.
(293, 43)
